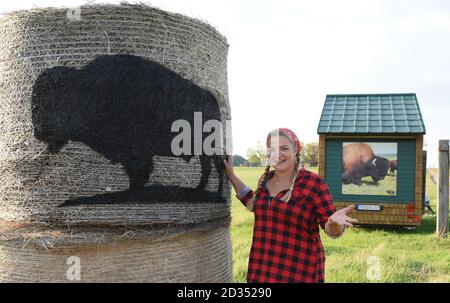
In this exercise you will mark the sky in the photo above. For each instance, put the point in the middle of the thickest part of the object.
(285, 56)
(379, 149)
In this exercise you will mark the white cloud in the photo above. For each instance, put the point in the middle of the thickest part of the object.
(423, 23)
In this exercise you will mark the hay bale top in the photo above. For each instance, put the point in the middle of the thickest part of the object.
(122, 11)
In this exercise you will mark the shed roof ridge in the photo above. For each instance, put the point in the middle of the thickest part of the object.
(391, 113)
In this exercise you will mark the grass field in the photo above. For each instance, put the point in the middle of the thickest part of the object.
(405, 255)
(385, 187)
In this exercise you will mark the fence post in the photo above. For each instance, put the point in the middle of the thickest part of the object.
(442, 205)
(424, 179)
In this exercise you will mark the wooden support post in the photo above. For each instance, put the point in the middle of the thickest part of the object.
(424, 178)
(442, 206)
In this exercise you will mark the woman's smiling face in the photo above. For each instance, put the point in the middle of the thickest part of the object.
(281, 153)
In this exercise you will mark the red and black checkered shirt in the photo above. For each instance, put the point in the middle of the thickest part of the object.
(286, 240)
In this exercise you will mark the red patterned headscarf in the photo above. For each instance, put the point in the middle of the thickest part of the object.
(288, 133)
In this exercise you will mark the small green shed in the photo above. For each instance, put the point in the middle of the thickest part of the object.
(370, 154)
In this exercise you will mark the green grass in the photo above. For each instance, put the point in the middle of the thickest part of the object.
(385, 187)
(406, 255)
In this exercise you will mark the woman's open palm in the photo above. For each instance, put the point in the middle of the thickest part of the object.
(340, 217)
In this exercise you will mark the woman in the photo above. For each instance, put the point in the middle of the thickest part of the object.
(289, 204)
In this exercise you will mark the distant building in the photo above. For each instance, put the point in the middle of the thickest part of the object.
(240, 161)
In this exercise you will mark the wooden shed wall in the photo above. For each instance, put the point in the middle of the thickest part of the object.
(409, 182)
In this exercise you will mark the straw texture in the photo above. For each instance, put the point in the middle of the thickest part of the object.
(41, 254)
(73, 185)
(119, 202)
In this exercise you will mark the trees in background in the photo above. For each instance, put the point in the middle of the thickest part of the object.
(310, 154)
(256, 156)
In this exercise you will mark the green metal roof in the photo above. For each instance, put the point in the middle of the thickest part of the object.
(372, 113)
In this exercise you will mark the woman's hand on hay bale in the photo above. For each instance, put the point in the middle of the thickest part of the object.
(229, 172)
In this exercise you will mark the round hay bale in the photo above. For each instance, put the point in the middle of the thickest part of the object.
(87, 97)
(41, 254)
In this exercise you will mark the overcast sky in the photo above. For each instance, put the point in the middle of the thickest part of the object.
(379, 148)
(286, 55)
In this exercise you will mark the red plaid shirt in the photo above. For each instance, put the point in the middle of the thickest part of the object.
(286, 240)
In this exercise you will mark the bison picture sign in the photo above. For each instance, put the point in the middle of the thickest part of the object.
(371, 155)
(368, 168)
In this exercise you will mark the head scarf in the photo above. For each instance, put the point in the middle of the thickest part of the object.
(290, 134)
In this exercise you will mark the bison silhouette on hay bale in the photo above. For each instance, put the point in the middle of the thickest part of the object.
(122, 107)
(86, 108)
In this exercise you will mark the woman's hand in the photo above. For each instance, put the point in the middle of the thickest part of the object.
(338, 221)
(340, 217)
(229, 172)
